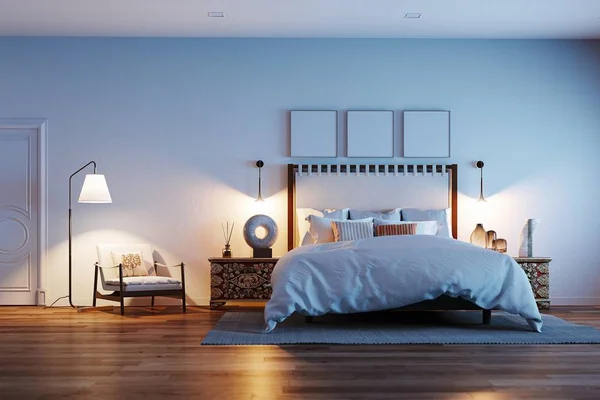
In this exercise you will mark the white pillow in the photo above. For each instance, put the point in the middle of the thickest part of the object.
(302, 224)
(393, 215)
(423, 227)
(320, 228)
(443, 218)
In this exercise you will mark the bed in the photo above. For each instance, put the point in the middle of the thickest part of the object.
(413, 272)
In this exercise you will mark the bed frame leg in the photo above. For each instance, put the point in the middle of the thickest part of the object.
(487, 317)
(309, 319)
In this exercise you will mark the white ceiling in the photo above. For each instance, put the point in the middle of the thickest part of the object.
(303, 18)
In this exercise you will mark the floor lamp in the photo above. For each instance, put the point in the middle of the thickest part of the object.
(94, 190)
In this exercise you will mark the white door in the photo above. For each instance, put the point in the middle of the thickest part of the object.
(19, 198)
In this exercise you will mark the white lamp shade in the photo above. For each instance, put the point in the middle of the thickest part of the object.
(94, 190)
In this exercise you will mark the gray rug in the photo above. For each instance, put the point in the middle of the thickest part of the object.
(451, 327)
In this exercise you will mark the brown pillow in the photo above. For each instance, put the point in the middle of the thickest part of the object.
(396, 229)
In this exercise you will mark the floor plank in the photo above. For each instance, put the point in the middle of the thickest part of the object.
(150, 353)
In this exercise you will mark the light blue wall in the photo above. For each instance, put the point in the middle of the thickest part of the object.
(176, 124)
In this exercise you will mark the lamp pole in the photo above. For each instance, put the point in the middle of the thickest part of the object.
(71, 228)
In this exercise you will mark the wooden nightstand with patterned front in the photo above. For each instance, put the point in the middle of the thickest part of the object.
(538, 273)
(240, 279)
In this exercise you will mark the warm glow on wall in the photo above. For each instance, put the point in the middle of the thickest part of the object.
(255, 207)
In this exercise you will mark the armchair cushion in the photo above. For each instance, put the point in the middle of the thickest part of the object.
(132, 263)
(144, 283)
(105, 258)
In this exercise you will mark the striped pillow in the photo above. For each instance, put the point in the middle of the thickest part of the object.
(396, 229)
(352, 230)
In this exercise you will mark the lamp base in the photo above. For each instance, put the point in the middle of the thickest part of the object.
(262, 253)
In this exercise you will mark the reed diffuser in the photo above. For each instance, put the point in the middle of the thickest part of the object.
(227, 235)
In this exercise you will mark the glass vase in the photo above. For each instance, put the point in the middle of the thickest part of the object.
(501, 245)
(490, 242)
(478, 236)
(227, 251)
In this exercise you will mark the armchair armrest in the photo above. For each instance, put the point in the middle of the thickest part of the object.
(106, 266)
(182, 265)
(157, 264)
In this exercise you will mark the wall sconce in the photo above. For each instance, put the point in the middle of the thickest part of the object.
(259, 164)
(481, 196)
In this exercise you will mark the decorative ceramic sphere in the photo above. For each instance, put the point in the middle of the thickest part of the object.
(268, 224)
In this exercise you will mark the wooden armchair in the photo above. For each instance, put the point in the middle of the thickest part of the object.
(130, 271)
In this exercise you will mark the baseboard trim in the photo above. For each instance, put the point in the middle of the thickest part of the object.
(41, 297)
(575, 301)
(204, 301)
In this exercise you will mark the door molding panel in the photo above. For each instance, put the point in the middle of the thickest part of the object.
(40, 125)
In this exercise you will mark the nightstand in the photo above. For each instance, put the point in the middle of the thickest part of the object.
(538, 273)
(240, 279)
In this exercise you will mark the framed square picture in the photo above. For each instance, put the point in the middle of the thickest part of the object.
(313, 133)
(427, 134)
(370, 133)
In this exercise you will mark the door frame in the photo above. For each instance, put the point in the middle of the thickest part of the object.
(41, 127)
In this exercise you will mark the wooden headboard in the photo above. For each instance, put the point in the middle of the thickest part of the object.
(450, 171)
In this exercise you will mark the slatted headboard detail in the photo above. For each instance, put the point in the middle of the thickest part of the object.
(451, 171)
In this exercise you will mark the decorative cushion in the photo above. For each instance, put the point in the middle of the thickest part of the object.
(321, 231)
(396, 229)
(423, 227)
(105, 257)
(442, 217)
(393, 215)
(132, 263)
(352, 230)
(144, 283)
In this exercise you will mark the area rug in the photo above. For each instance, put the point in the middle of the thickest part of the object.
(452, 327)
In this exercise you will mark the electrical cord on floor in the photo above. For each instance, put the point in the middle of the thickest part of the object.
(63, 297)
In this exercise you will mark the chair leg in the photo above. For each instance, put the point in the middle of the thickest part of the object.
(183, 287)
(121, 289)
(95, 285)
(152, 302)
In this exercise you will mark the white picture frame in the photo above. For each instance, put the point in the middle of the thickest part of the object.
(313, 133)
(370, 133)
(426, 134)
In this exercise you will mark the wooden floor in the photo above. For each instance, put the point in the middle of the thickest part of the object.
(60, 353)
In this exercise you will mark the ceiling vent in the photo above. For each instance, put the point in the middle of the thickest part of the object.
(216, 14)
(412, 15)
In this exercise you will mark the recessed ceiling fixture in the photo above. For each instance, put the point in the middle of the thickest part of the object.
(412, 15)
(216, 14)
